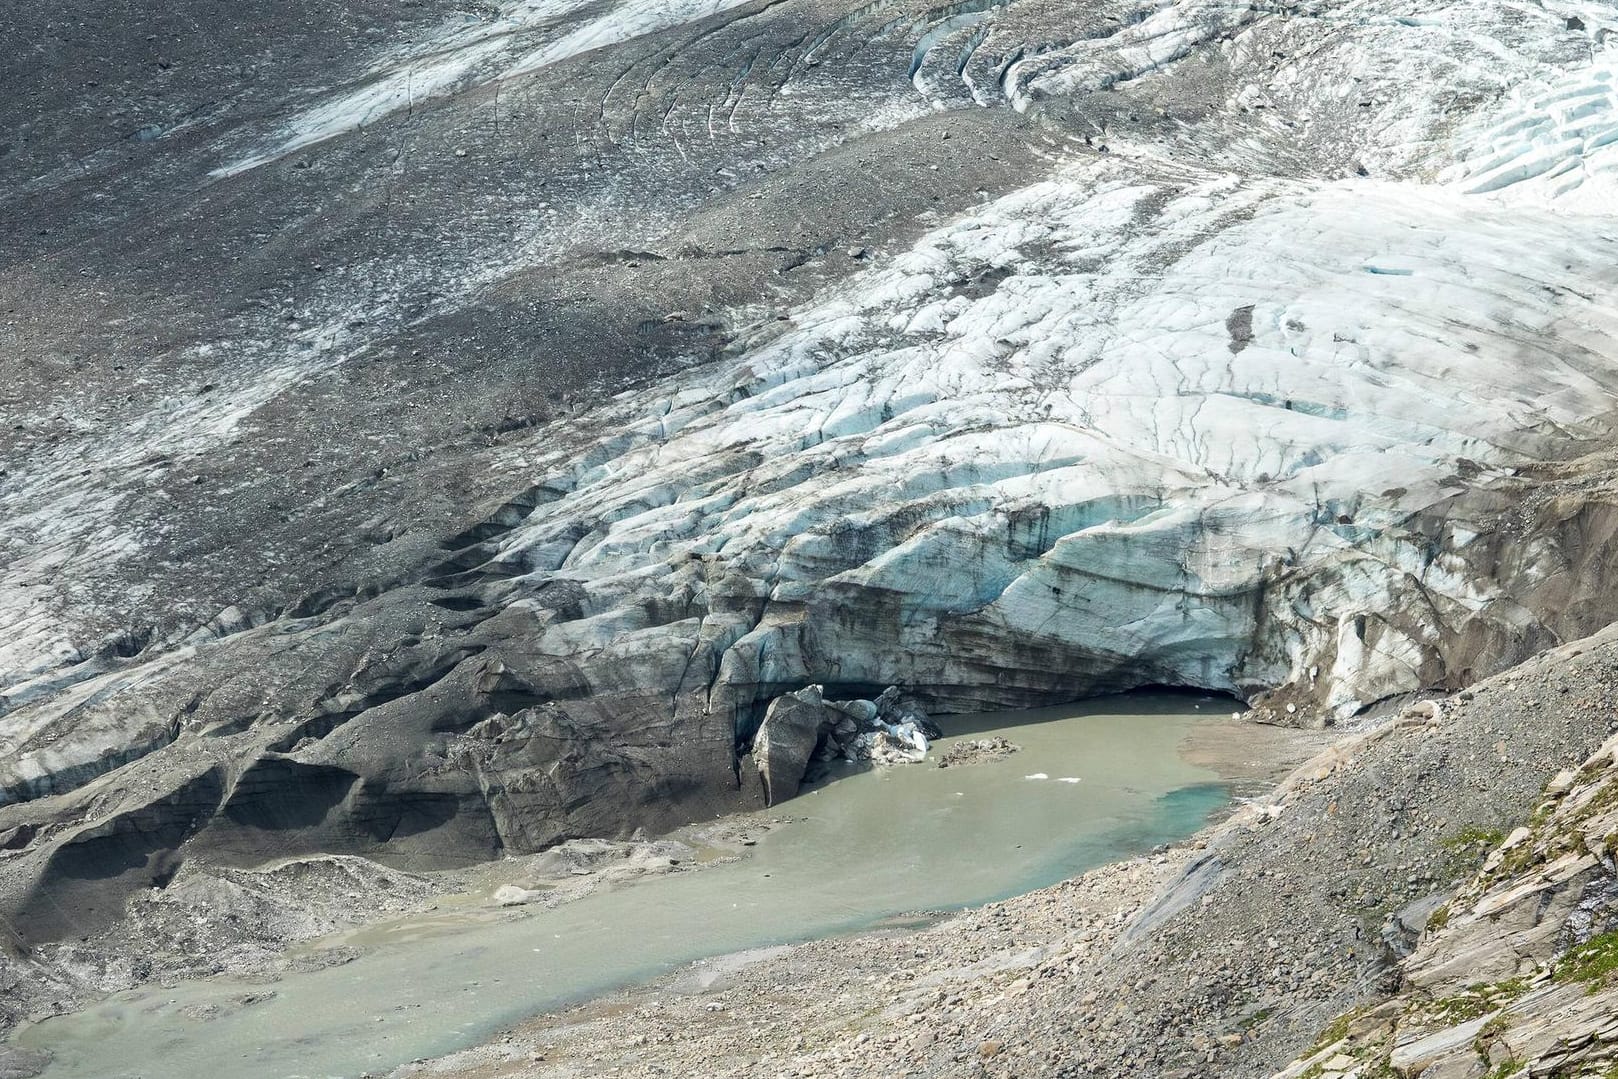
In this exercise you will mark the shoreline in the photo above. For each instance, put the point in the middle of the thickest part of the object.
(556, 1042)
(410, 905)
(329, 909)
(1224, 955)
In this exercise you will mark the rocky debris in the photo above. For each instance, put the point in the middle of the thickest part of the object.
(213, 919)
(572, 869)
(892, 729)
(1274, 926)
(1517, 972)
(21, 1063)
(803, 728)
(976, 751)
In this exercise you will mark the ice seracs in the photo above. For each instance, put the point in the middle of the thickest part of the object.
(1112, 430)
(1553, 141)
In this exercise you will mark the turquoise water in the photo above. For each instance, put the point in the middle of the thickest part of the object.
(873, 844)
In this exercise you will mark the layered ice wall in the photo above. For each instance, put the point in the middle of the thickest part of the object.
(1107, 431)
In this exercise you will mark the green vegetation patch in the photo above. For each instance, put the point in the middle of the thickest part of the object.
(1603, 800)
(1466, 849)
(1335, 1031)
(1460, 1008)
(1593, 962)
(1475, 1001)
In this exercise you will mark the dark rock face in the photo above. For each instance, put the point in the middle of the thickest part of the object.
(786, 741)
(429, 439)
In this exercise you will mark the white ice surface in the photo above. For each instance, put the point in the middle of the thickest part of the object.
(1551, 142)
(1395, 330)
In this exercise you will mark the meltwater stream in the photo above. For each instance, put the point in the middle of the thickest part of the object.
(1093, 783)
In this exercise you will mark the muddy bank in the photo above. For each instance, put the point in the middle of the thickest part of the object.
(303, 914)
(1252, 757)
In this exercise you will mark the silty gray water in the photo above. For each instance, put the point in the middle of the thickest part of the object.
(1093, 783)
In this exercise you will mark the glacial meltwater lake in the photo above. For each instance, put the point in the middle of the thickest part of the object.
(1095, 782)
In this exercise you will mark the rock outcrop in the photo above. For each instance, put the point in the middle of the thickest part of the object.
(1517, 972)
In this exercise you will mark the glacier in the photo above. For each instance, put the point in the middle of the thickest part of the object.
(1208, 344)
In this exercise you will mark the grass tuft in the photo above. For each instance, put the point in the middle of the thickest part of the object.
(1593, 962)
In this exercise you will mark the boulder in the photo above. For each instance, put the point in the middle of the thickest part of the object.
(1415, 1054)
(977, 750)
(787, 738)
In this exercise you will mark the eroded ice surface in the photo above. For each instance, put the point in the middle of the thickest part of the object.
(1101, 414)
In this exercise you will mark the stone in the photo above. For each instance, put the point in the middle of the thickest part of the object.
(862, 713)
(786, 740)
(510, 895)
(1417, 1052)
(1518, 836)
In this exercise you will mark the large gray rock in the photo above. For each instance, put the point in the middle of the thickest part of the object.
(793, 726)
